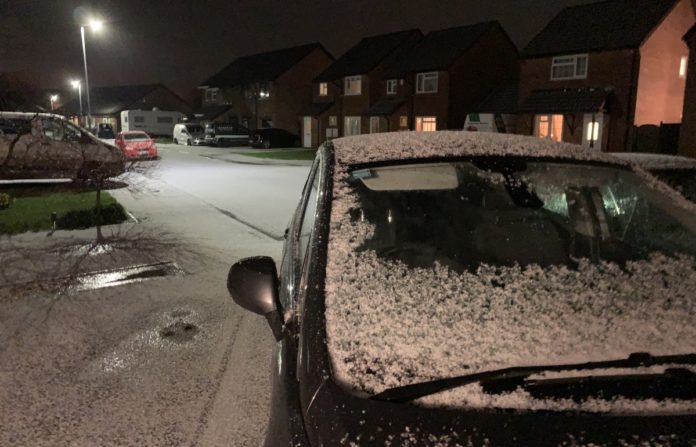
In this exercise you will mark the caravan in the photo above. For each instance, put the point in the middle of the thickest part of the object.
(154, 122)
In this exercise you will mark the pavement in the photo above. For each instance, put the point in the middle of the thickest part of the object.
(160, 361)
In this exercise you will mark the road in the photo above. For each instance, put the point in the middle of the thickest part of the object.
(164, 361)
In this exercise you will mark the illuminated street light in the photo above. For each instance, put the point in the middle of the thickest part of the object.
(96, 25)
(77, 85)
(53, 99)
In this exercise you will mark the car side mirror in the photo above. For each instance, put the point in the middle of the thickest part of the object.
(253, 284)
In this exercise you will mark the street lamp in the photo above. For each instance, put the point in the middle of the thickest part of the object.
(96, 26)
(53, 99)
(78, 86)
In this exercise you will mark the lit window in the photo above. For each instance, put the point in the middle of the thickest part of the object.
(323, 89)
(391, 87)
(403, 121)
(333, 120)
(426, 124)
(569, 67)
(426, 82)
(682, 66)
(549, 126)
(353, 85)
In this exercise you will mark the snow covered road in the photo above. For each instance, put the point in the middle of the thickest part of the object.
(165, 361)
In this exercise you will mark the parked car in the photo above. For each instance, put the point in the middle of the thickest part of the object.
(226, 134)
(137, 145)
(678, 172)
(190, 134)
(46, 146)
(464, 288)
(273, 137)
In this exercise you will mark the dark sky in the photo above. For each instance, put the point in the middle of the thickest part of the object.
(181, 43)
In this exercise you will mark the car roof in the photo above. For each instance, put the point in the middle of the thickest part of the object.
(657, 162)
(396, 146)
(29, 115)
(127, 132)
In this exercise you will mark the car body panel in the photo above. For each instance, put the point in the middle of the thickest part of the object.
(51, 147)
(137, 149)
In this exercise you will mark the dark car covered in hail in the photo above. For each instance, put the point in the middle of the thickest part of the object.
(454, 288)
(46, 146)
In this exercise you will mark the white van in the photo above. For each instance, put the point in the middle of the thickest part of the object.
(490, 122)
(153, 122)
(190, 134)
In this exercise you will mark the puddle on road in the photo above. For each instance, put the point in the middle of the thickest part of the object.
(179, 332)
(125, 275)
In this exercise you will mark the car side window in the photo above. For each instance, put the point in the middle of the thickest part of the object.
(72, 133)
(308, 219)
(53, 129)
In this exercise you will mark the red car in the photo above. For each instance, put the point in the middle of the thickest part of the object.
(136, 145)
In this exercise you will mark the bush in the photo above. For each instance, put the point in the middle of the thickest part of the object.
(5, 200)
(74, 220)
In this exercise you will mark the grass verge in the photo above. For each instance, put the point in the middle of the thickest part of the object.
(74, 211)
(307, 154)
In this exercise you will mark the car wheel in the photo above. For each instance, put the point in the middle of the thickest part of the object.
(176, 141)
(188, 142)
(267, 144)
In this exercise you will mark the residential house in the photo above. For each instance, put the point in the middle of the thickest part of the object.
(597, 72)
(347, 92)
(687, 141)
(448, 73)
(107, 103)
(266, 89)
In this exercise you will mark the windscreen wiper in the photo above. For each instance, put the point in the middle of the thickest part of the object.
(414, 391)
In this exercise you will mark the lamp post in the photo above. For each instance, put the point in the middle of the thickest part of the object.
(53, 99)
(96, 26)
(78, 86)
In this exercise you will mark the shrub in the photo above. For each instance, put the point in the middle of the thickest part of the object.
(73, 220)
(5, 200)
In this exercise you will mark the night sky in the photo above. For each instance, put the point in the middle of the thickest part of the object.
(181, 43)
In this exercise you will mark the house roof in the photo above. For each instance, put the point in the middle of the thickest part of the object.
(367, 54)
(209, 113)
(603, 26)
(316, 109)
(110, 100)
(569, 100)
(385, 106)
(261, 67)
(501, 100)
(439, 50)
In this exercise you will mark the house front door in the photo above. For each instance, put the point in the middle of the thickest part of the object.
(374, 124)
(307, 132)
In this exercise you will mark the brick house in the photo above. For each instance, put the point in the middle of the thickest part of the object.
(266, 89)
(687, 140)
(108, 102)
(598, 72)
(448, 73)
(346, 91)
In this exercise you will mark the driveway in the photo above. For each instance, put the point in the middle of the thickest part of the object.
(162, 361)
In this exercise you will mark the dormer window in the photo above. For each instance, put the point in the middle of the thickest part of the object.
(353, 85)
(323, 89)
(569, 67)
(391, 87)
(211, 95)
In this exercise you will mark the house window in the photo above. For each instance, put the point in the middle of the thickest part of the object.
(264, 91)
(374, 124)
(331, 132)
(682, 66)
(426, 82)
(569, 67)
(549, 126)
(426, 124)
(353, 85)
(352, 126)
(323, 89)
(391, 87)
(333, 120)
(211, 95)
(403, 121)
